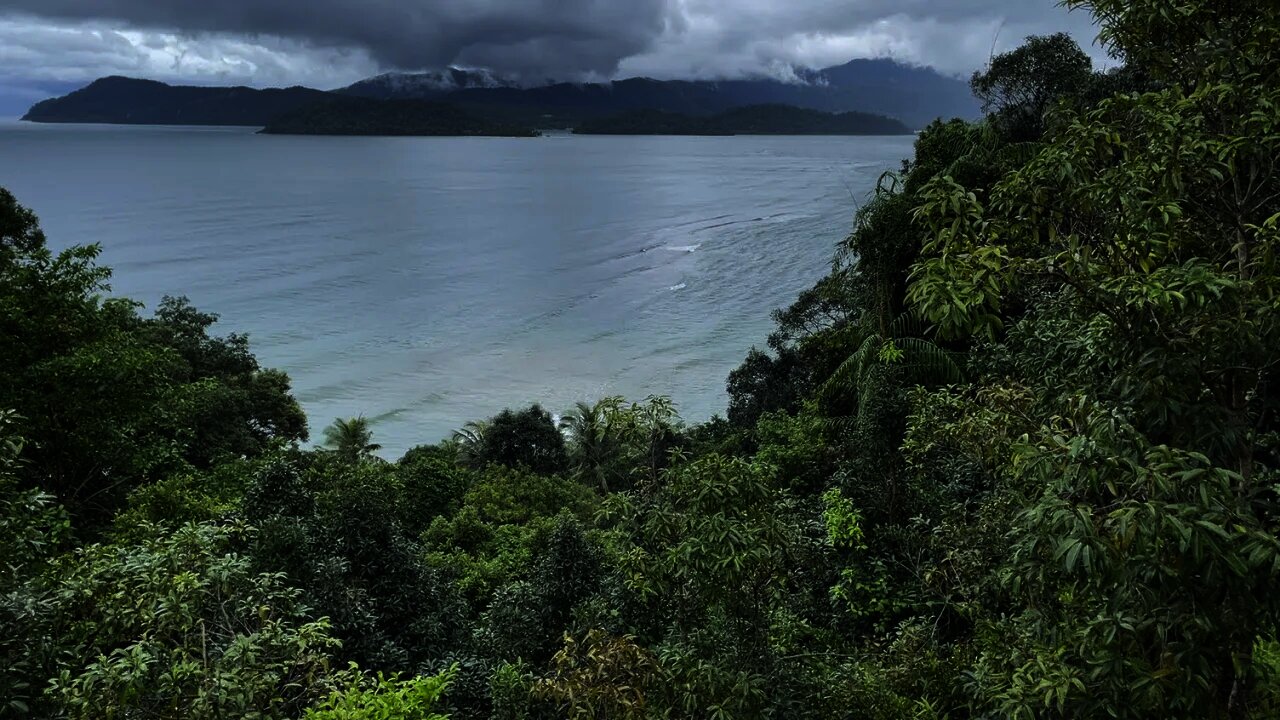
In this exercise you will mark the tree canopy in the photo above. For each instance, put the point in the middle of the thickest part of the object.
(1015, 456)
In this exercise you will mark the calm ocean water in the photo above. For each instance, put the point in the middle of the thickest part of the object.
(424, 282)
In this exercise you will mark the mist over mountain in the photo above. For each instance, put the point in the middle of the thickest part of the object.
(426, 85)
(913, 95)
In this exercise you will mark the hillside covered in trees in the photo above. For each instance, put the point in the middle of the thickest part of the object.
(147, 102)
(752, 120)
(365, 116)
(914, 95)
(1016, 456)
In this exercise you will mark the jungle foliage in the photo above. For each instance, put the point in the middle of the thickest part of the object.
(1015, 457)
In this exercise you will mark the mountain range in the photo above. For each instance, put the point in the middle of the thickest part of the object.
(913, 95)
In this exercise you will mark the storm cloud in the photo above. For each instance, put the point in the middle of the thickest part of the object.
(308, 41)
(529, 36)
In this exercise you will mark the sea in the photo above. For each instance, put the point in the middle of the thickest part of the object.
(426, 282)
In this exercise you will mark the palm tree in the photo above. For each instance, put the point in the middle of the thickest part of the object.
(903, 343)
(592, 442)
(882, 338)
(351, 438)
(470, 443)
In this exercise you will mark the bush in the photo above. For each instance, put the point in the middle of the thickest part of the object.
(181, 626)
(385, 698)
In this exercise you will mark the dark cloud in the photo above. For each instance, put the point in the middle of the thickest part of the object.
(332, 42)
(36, 52)
(539, 37)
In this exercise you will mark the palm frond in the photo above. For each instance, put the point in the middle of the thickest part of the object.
(351, 438)
(928, 364)
(910, 324)
(850, 374)
(905, 347)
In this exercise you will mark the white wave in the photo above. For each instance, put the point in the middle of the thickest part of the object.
(683, 248)
(681, 286)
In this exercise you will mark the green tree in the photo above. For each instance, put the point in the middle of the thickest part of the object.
(433, 485)
(528, 438)
(383, 698)
(901, 345)
(1150, 576)
(181, 626)
(593, 443)
(615, 444)
(527, 617)
(1147, 229)
(1020, 87)
(33, 531)
(334, 528)
(350, 438)
(113, 401)
(705, 565)
(469, 441)
(238, 409)
(1157, 233)
(648, 433)
(806, 348)
(600, 677)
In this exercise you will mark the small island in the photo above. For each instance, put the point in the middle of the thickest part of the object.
(365, 116)
(750, 120)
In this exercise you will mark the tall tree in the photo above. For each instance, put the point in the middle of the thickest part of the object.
(113, 401)
(1020, 87)
(351, 438)
(527, 438)
(1149, 228)
(592, 441)
(469, 441)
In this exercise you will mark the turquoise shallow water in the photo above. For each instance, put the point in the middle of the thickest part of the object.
(424, 282)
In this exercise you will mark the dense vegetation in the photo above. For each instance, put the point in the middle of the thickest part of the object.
(1015, 457)
(751, 120)
(364, 116)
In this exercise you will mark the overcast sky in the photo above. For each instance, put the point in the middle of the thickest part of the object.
(46, 45)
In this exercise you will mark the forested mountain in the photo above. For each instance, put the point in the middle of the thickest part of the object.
(913, 95)
(1016, 456)
(881, 87)
(366, 116)
(751, 120)
(146, 102)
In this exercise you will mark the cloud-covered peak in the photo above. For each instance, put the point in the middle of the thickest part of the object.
(331, 43)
